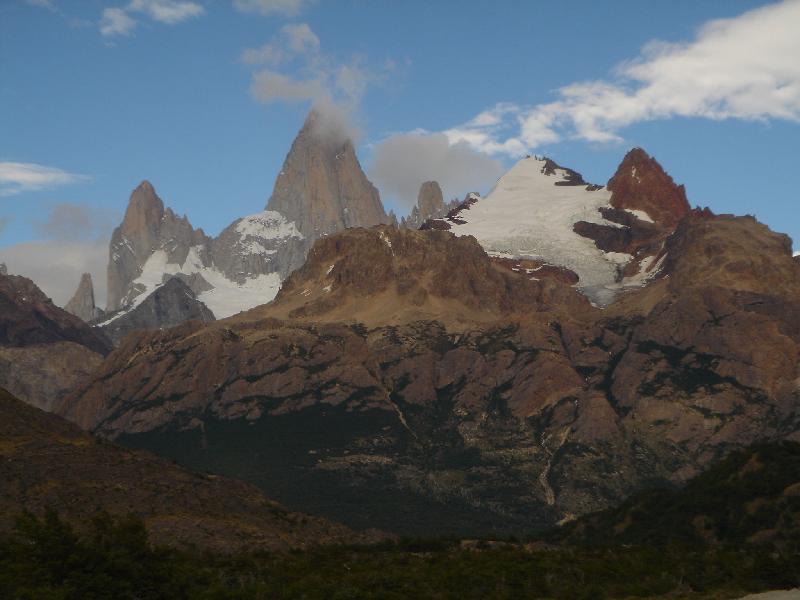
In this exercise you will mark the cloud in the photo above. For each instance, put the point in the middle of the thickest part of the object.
(4, 221)
(115, 21)
(288, 8)
(291, 40)
(307, 73)
(167, 11)
(118, 21)
(70, 221)
(56, 266)
(48, 4)
(402, 162)
(744, 67)
(16, 178)
(269, 86)
(299, 71)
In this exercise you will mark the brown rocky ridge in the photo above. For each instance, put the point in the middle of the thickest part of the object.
(47, 462)
(44, 350)
(404, 380)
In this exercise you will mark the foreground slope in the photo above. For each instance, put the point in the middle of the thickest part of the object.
(406, 380)
(751, 497)
(47, 462)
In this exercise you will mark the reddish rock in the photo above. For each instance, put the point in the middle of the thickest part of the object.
(641, 184)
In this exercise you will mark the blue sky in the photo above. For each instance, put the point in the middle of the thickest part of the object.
(203, 98)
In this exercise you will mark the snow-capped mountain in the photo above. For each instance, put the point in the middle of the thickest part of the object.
(549, 214)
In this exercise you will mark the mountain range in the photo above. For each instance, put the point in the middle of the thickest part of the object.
(496, 365)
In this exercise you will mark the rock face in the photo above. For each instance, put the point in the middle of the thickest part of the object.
(82, 302)
(47, 462)
(509, 404)
(44, 350)
(169, 305)
(321, 187)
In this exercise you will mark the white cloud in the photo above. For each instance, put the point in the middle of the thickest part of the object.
(48, 4)
(167, 11)
(292, 40)
(335, 88)
(118, 21)
(16, 178)
(56, 266)
(115, 21)
(402, 162)
(744, 67)
(287, 8)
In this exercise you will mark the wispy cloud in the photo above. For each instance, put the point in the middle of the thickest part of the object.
(298, 70)
(76, 221)
(115, 21)
(119, 20)
(48, 4)
(744, 67)
(292, 40)
(16, 178)
(293, 68)
(288, 8)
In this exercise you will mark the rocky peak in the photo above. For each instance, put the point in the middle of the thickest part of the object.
(82, 303)
(430, 205)
(146, 228)
(143, 216)
(321, 186)
(641, 184)
(430, 200)
(3, 269)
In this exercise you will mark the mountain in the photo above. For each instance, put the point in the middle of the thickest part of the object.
(82, 302)
(750, 497)
(44, 350)
(610, 237)
(411, 381)
(169, 305)
(48, 462)
(430, 205)
(321, 187)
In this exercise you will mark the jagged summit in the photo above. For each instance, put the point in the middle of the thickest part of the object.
(321, 186)
(82, 303)
(641, 185)
(430, 205)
